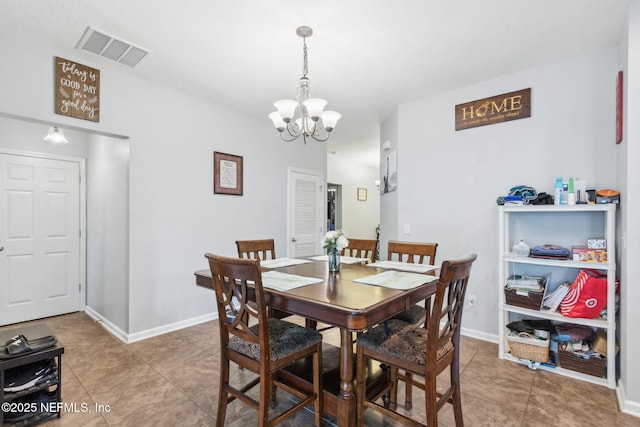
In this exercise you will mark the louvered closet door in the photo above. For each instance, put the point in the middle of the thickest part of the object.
(305, 214)
(39, 231)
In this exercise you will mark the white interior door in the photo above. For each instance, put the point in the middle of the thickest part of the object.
(40, 234)
(306, 226)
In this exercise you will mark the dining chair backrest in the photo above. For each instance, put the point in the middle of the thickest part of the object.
(256, 249)
(261, 249)
(361, 248)
(446, 313)
(231, 281)
(411, 252)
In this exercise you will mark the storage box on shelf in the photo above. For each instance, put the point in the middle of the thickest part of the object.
(595, 366)
(525, 299)
(566, 226)
(525, 291)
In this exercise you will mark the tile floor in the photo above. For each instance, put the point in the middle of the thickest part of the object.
(172, 380)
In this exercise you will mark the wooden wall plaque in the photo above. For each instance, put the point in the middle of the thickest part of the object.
(497, 109)
(77, 90)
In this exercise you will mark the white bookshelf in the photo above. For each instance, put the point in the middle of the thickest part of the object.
(566, 226)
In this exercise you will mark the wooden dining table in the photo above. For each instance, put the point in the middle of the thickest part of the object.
(339, 301)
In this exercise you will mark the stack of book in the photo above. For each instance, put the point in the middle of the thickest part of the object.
(552, 301)
(526, 283)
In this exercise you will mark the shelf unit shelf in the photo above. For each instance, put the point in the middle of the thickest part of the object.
(600, 217)
(55, 352)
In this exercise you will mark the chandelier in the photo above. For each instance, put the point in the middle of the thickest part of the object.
(305, 116)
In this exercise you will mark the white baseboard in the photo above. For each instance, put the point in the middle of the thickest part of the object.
(480, 335)
(109, 326)
(626, 406)
(131, 338)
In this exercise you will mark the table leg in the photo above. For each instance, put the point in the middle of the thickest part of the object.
(346, 413)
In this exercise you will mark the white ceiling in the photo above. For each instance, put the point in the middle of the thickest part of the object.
(365, 56)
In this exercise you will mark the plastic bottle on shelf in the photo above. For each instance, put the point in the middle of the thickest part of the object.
(557, 196)
(571, 195)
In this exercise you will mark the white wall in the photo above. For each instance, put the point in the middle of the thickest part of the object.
(389, 228)
(174, 218)
(108, 229)
(629, 183)
(359, 218)
(26, 136)
(448, 181)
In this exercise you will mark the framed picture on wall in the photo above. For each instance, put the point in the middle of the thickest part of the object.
(227, 174)
(362, 194)
(619, 97)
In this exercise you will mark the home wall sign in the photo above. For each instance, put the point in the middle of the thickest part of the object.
(77, 90)
(497, 109)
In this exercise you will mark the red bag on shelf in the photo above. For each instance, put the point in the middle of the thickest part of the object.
(587, 296)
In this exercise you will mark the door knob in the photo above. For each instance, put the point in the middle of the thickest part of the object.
(293, 239)
(1, 248)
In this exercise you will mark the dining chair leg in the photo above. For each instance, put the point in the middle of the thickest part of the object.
(274, 389)
(392, 401)
(431, 398)
(408, 393)
(317, 386)
(456, 399)
(222, 393)
(361, 386)
(266, 396)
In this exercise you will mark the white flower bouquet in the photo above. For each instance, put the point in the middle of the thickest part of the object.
(334, 241)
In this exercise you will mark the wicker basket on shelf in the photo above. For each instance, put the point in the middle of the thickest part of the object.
(528, 347)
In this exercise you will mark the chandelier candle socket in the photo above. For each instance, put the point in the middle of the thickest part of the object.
(306, 115)
(334, 242)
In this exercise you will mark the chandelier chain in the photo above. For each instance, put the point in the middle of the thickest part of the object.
(305, 66)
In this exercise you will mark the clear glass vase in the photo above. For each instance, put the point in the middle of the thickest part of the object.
(334, 260)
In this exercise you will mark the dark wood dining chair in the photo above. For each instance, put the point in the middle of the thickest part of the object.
(263, 345)
(361, 248)
(256, 249)
(413, 253)
(261, 249)
(425, 352)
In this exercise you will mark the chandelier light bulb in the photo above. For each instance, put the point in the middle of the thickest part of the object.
(286, 108)
(277, 121)
(314, 107)
(329, 119)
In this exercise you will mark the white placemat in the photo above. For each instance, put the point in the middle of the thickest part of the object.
(343, 259)
(397, 279)
(284, 282)
(404, 266)
(282, 262)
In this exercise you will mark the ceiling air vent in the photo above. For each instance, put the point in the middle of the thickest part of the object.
(109, 47)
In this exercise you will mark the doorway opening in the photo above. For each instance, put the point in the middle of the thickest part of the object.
(334, 206)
